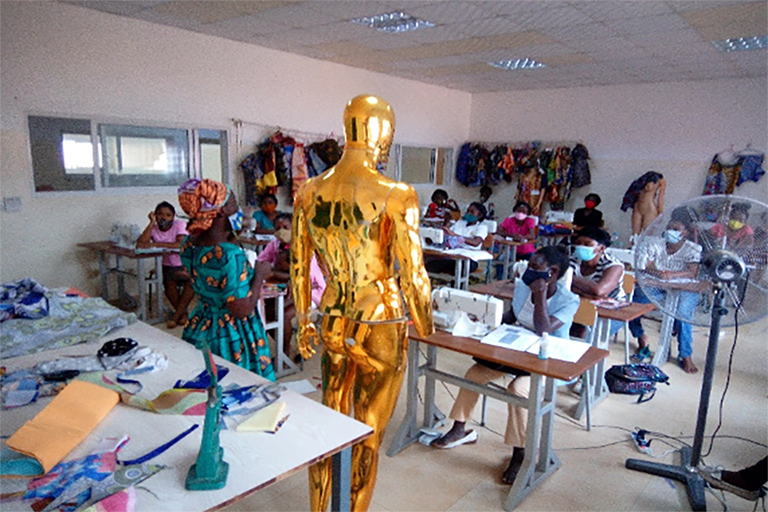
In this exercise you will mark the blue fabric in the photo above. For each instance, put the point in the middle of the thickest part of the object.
(262, 220)
(562, 305)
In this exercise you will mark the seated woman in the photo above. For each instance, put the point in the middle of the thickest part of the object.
(740, 236)
(672, 256)
(595, 273)
(541, 303)
(278, 254)
(520, 226)
(468, 233)
(588, 216)
(265, 218)
(439, 211)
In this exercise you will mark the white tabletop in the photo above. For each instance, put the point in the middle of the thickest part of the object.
(312, 432)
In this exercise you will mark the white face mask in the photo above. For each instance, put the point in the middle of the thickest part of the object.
(284, 235)
(672, 236)
(520, 215)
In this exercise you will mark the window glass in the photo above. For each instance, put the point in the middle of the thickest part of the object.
(423, 165)
(213, 153)
(141, 156)
(61, 153)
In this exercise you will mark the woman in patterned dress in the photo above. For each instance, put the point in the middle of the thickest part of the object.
(226, 286)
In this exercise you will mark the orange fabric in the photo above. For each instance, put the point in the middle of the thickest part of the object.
(202, 200)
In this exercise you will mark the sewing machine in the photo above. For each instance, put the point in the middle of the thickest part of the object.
(554, 217)
(449, 303)
(124, 235)
(431, 236)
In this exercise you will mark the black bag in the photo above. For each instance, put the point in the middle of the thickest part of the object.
(635, 379)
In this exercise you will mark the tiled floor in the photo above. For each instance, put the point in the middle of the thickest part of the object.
(592, 476)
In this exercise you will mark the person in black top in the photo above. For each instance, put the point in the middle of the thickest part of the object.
(588, 216)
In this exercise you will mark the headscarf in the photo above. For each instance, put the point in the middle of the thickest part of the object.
(202, 200)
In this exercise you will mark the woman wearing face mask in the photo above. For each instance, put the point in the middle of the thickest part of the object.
(520, 226)
(226, 286)
(740, 236)
(672, 256)
(595, 274)
(265, 218)
(469, 232)
(588, 216)
(541, 303)
(278, 254)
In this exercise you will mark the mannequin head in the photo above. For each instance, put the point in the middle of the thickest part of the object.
(369, 123)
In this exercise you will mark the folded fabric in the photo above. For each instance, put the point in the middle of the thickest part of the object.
(267, 419)
(48, 437)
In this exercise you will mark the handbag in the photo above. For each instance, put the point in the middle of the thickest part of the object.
(635, 379)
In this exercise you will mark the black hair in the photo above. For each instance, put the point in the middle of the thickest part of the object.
(599, 235)
(522, 203)
(268, 196)
(481, 208)
(684, 215)
(283, 216)
(594, 197)
(485, 189)
(556, 255)
(165, 204)
(437, 194)
(741, 208)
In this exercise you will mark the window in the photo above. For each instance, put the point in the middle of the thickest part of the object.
(63, 156)
(417, 165)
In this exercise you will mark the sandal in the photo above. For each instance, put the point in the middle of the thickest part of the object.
(470, 437)
(641, 355)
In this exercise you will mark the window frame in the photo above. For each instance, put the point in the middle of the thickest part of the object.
(193, 153)
(436, 177)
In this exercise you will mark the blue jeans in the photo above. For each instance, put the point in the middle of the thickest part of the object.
(686, 306)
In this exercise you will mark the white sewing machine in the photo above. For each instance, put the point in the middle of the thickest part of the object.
(553, 217)
(431, 236)
(449, 303)
(124, 235)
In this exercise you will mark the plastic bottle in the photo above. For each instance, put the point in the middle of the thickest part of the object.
(615, 241)
(544, 346)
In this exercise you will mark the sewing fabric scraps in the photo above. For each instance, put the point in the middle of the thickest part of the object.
(24, 298)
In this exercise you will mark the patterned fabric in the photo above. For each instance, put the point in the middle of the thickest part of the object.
(221, 274)
(71, 320)
(23, 299)
(202, 200)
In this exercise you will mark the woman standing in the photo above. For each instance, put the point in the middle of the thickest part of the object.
(226, 286)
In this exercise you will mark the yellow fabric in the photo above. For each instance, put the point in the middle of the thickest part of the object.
(264, 420)
(63, 423)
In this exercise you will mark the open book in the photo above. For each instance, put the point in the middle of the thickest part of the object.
(517, 338)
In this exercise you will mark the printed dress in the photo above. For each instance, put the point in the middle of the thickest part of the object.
(220, 274)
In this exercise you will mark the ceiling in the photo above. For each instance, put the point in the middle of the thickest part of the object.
(581, 42)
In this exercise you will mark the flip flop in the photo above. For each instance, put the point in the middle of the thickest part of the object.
(713, 476)
(470, 437)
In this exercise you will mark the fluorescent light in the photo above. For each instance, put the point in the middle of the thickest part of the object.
(393, 22)
(738, 44)
(517, 64)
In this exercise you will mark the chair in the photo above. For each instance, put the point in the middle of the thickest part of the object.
(587, 315)
(629, 288)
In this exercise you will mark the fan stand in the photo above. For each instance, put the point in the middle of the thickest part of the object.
(690, 457)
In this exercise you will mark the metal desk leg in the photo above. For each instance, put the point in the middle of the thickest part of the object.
(159, 286)
(665, 336)
(104, 273)
(341, 474)
(505, 263)
(540, 460)
(120, 277)
(461, 274)
(597, 391)
(408, 431)
(432, 415)
(141, 277)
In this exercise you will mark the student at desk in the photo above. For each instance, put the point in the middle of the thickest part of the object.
(468, 233)
(542, 304)
(595, 273)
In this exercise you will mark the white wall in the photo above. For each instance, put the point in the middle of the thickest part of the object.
(63, 59)
(674, 129)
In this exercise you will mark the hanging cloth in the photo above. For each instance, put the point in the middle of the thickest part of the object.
(299, 172)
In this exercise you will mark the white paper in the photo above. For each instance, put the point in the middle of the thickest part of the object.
(299, 386)
(517, 338)
(473, 254)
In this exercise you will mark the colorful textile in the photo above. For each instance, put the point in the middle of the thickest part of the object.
(202, 200)
(220, 274)
(262, 221)
(122, 501)
(178, 228)
(23, 299)
(299, 172)
(751, 168)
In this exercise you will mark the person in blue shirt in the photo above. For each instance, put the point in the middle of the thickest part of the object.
(541, 303)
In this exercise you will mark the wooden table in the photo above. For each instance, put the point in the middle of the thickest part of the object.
(540, 459)
(462, 260)
(142, 276)
(256, 459)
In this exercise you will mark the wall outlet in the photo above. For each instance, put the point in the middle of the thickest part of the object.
(12, 204)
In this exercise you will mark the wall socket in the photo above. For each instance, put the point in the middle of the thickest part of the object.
(12, 204)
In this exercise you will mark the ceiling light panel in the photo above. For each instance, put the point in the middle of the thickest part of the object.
(393, 22)
(512, 64)
(739, 44)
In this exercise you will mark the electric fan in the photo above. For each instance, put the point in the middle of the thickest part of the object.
(728, 286)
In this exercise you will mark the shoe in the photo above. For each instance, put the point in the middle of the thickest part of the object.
(713, 476)
(515, 463)
(641, 355)
(470, 437)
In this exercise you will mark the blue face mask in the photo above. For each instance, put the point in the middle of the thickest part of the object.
(470, 218)
(236, 220)
(672, 236)
(530, 275)
(584, 252)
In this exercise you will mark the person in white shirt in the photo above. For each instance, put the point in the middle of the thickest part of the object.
(469, 232)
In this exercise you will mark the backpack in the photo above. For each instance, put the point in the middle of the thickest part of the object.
(635, 379)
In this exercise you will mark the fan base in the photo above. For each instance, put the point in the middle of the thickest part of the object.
(694, 483)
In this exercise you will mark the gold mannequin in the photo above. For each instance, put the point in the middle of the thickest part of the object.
(359, 222)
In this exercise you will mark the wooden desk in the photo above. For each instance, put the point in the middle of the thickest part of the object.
(462, 262)
(504, 290)
(107, 249)
(312, 433)
(540, 459)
